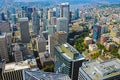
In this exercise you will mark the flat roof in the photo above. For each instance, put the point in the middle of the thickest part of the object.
(71, 50)
(23, 19)
(39, 75)
(15, 66)
(88, 38)
(19, 65)
(102, 70)
(66, 3)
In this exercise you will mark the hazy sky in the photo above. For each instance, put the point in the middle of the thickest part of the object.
(67, 0)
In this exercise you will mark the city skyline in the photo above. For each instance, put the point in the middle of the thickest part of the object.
(59, 39)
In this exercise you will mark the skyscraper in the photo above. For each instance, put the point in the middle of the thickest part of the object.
(39, 75)
(50, 14)
(54, 39)
(3, 47)
(67, 60)
(65, 10)
(29, 12)
(76, 14)
(62, 24)
(3, 16)
(17, 53)
(41, 43)
(13, 16)
(35, 22)
(14, 19)
(24, 29)
(96, 32)
(53, 20)
(14, 71)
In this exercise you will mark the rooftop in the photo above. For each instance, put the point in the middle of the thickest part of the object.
(44, 56)
(39, 75)
(102, 70)
(65, 3)
(20, 65)
(106, 35)
(61, 32)
(41, 38)
(69, 52)
(23, 19)
(88, 38)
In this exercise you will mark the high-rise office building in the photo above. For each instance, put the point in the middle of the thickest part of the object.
(3, 16)
(24, 29)
(9, 41)
(76, 14)
(29, 12)
(14, 71)
(53, 20)
(35, 22)
(65, 10)
(67, 60)
(95, 70)
(51, 29)
(14, 19)
(9, 38)
(41, 43)
(2, 66)
(13, 11)
(50, 14)
(13, 16)
(39, 75)
(5, 26)
(17, 53)
(61, 37)
(62, 24)
(24, 11)
(96, 32)
(104, 29)
(8, 14)
(54, 39)
(3, 47)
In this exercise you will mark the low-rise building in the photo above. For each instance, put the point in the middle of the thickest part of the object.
(104, 38)
(105, 57)
(104, 29)
(93, 47)
(88, 41)
(110, 46)
(115, 32)
(116, 39)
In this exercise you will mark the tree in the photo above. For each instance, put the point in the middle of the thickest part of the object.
(49, 68)
(100, 46)
(94, 56)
